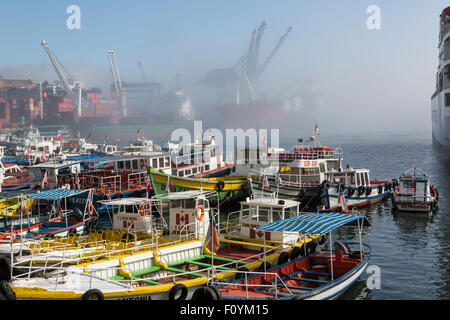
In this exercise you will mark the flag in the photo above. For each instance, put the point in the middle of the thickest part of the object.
(109, 195)
(139, 131)
(23, 206)
(342, 201)
(149, 185)
(45, 152)
(106, 137)
(27, 153)
(89, 135)
(265, 183)
(44, 181)
(59, 136)
(117, 140)
(168, 185)
(317, 130)
(212, 236)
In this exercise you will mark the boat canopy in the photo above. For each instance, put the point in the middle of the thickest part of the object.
(189, 194)
(124, 201)
(56, 194)
(311, 222)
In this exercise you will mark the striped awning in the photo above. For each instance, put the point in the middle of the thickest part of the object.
(311, 222)
(56, 194)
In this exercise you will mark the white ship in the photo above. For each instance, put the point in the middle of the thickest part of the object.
(440, 101)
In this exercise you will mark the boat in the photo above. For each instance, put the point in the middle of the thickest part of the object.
(300, 172)
(414, 192)
(170, 272)
(200, 159)
(58, 221)
(12, 207)
(350, 188)
(231, 187)
(14, 177)
(440, 99)
(320, 275)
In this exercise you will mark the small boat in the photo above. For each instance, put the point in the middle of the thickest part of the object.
(321, 274)
(14, 177)
(58, 222)
(414, 192)
(232, 187)
(352, 188)
(12, 207)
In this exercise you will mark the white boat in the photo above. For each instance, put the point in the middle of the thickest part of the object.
(415, 192)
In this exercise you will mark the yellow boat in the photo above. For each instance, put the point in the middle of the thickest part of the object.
(230, 187)
(10, 207)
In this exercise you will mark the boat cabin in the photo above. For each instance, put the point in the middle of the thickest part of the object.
(189, 212)
(135, 215)
(349, 177)
(107, 149)
(261, 210)
(53, 170)
(414, 188)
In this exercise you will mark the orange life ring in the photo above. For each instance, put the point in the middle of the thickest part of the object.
(145, 209)
(90, 208)
(200, 216)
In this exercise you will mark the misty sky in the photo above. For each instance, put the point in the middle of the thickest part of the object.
(370, 81)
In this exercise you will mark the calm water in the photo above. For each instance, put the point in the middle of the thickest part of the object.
(412, 250)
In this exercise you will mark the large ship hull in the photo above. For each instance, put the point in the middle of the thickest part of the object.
(441, 124)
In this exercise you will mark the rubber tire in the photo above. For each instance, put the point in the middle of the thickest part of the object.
(5, 268)
(216, 291)
(295, 253)
(204, 294)
(240, 275)
(92, 292)
(7, 291)
(322, 239)
(380, 189)
(283, 258)
(220, 185)
(311, 246)
(175, 289)
(368, 191)
(261, 266)
(326, 184)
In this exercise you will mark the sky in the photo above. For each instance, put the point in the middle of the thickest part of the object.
(370, 81)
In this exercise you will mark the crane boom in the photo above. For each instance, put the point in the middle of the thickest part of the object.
(117, 82)
(142, 72)
(74, 97)
(274, 51)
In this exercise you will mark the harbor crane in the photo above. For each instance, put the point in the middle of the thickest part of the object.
(144, 77)
(73, 93)
(121, 94)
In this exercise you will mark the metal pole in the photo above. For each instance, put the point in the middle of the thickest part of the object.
(331, 258)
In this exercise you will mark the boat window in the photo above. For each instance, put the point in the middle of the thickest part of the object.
(188, 172)
(180, 173)
(264, 214)
(194, 170)
(161, 162)
(366, 176)
(322, 167)
(127, 165)
(142, 164)
(190, 204)
(176, 204)
(155, 163)
(277, 214)
(167, 161)
(120, 164)
(290, 212)
(207, 167)
(447, 99)
(358, 179)
(407, 184)
(135, 164)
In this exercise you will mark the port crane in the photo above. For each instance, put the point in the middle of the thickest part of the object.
(121, 94)
(73, 93)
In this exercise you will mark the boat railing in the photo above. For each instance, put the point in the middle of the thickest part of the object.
(296, 180)
(272, 281)
(191, 158)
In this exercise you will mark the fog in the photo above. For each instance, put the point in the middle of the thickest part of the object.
(347, 79)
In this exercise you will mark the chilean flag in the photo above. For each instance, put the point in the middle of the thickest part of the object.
(89, 135)
(44, 181)
(317, 130)
(149, 185)
(59, 136)
(27, 153)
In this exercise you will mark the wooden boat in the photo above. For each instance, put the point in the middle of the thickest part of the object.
(322, 274)
(14, 178)
(171, 272)
(352, 188)
(232, 187)
(11, 207)
(414, 192)
(60, 221)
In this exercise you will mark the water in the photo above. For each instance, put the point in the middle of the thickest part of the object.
(412, 250)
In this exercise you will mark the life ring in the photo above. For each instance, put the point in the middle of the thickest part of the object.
(201, 215)
(340, 187)
(175, 289)
(93, 294)
(90, 208)
(351, 191)
(326, 184)
(220, 185)
(368, 191)
(145, 209)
